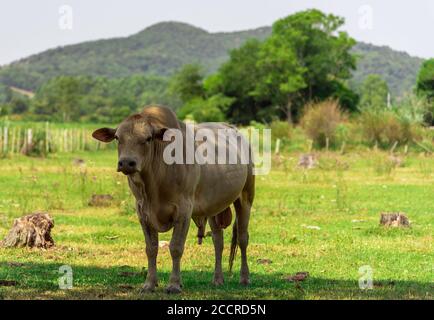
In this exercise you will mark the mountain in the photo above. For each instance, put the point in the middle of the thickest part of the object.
(398, 68)
(164, 47)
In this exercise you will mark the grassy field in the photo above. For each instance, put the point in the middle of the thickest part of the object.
(324, 221)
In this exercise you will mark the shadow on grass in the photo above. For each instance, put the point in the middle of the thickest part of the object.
(41, 281)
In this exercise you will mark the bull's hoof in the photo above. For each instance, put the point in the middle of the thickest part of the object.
(147, 288)
(173, 289)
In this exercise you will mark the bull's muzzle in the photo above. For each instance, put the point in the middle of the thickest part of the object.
(127, 166)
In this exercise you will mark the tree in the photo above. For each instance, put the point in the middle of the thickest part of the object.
(206, 110)
(98, 99)
(59, 97)
(187, 83)
(281, 74)
(305, 58)
(425, 79)
(374, 93)
(238, 78)
(425, 89)
(304, 55)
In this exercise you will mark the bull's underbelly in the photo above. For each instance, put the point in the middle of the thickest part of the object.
(221, 186)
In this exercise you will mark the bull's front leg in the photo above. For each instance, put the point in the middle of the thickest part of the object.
(177, 243)
(151, 239)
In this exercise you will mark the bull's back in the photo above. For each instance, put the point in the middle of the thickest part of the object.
(221, 184)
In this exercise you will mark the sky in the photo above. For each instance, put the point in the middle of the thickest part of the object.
(28, 27)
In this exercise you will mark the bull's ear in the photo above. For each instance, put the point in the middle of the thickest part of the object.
(104, 134)
(159, 133)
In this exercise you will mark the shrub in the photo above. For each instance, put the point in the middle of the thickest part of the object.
(202, 110)
(385, 128)
(320, 121)
(280, 130)
(414, 109)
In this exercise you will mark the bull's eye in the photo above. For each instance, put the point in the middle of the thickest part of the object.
(148, 139)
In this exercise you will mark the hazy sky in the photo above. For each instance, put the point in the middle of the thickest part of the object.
(29, 26)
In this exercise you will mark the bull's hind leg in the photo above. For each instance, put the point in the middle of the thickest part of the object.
(217, 238)
(243, 206)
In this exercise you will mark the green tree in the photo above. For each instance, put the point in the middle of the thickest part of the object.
(98, 99)
(425, 89)
(304, 56)
(425, 79)
(187, 83)
(59, 97)
(373, 95)
(238, 79)
(281, 74)
(206, 110)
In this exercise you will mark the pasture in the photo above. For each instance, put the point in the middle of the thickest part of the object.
(324, 221)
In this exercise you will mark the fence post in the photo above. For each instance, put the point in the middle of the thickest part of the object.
(83, 140)
(393, 147)
(277, 150)
(18, 142)
(343, 147)
(1, 140)
(13, 140)
(65, 140)
(5, 140)
(310, 147)
(29, 137)
(47, 137)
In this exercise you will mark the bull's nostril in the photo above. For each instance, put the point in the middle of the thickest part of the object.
(132, 163)
(120, 163)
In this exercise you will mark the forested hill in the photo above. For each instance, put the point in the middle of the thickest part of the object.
(163, 48)
(398, 68)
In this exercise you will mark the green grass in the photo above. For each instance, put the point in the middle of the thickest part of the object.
(101, 244)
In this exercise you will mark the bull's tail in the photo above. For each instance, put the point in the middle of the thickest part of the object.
(234, 243)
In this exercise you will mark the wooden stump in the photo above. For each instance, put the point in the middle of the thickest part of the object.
(101, 200)
(397, 219)
(307, 161)
(33, 230)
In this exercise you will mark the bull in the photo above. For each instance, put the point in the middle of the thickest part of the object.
(171, 195)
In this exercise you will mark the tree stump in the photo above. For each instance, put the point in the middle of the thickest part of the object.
(397, 219)
(101, 200)
(31, 231)
(307, 161)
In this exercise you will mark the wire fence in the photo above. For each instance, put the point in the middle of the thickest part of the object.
(45, 140)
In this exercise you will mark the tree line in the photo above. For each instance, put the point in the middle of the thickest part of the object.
(307, 58)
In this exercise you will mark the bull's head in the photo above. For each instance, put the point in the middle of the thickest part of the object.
(136, 136)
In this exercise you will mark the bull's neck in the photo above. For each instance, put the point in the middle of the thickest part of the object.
(155, 173)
